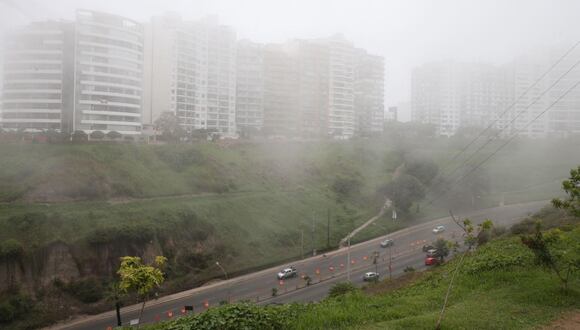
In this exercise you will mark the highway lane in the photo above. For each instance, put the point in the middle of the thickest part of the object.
(325, 271)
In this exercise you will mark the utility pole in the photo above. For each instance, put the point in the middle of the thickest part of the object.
(302, 243)
(390, 263)
(328, 228)
(348, 260)
(313, 250)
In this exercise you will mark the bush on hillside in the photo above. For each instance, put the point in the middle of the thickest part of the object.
(88, 290)
(340, 289)
(239, 316)
(14, 306)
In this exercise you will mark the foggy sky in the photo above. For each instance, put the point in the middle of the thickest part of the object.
(407, 33)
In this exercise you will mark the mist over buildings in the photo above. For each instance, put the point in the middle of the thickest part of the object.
(406, 33)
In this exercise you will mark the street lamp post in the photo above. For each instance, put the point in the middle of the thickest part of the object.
(226, 275)
(390, 251)
(348, 260)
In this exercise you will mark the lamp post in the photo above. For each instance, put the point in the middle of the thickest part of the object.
(226, 275)
(348, 260)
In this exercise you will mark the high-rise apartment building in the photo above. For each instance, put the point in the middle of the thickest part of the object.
(83, 75)
(451, 95)
(191, 72)
(250, 86)
(108, 73)
(35, 68)
(369, 102)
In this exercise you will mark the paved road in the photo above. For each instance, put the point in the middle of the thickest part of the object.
(324, 271)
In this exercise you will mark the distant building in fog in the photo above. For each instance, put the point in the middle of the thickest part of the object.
(392, 114)
(191, 72)
(83, 75)
(451, 95)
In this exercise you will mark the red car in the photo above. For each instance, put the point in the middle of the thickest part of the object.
(430, 261)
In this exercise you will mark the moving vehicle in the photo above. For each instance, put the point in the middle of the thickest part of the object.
(287, 273)
(438, 229)
(430, 261)
(427, 247)
(371, 276)
(387, 243)
(432, 253)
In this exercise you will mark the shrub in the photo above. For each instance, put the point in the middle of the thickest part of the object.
(340, 289)
(409, 269)
(14, 307)
(88, 290)
(11, 249)
(97, 135)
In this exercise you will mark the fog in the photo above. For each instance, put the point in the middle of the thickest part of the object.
(405, 33)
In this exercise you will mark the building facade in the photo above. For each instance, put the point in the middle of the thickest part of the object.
(66, 76)
(191, 72)
(34, 71)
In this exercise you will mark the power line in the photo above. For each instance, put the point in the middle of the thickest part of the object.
(506, 143)
(515, 118)
(513, 104)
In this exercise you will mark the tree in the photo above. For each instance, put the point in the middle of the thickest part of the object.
(114, 135)
(340, 289)
(97, 135)
(424, 170)
(168, 124)
(114, 294)
(556, 252)
(572, 189)
(141, 278)
(404, 191)
(442, 246)
(79, 136)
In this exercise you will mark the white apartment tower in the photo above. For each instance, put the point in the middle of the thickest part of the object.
(108, 73)
(83, 75)
(369, 102)
(250, 86)
(191, 72)
(34, 74)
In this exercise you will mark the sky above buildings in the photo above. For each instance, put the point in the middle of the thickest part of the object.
(406, 32)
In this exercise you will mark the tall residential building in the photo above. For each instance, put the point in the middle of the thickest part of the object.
(280, 90)
(250, 86)
(83, 75)
(341, 111)
(108, 73)
(564, 116)
(369, 102)
(451, 95)
(191, 73)
(36, 64)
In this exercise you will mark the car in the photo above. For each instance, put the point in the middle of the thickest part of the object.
(387, 243)
(430, 261)
(427, 247)
(438, 229)
(371, 276)
(432, 253)
(287, 273)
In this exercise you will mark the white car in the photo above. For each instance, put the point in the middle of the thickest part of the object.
(287, 273)
(438, 229)
(371, 276)
(387, 243)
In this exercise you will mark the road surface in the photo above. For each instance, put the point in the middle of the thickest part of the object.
(324, 270)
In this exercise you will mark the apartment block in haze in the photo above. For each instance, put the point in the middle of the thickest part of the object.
(191, 72)
(82, 75)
